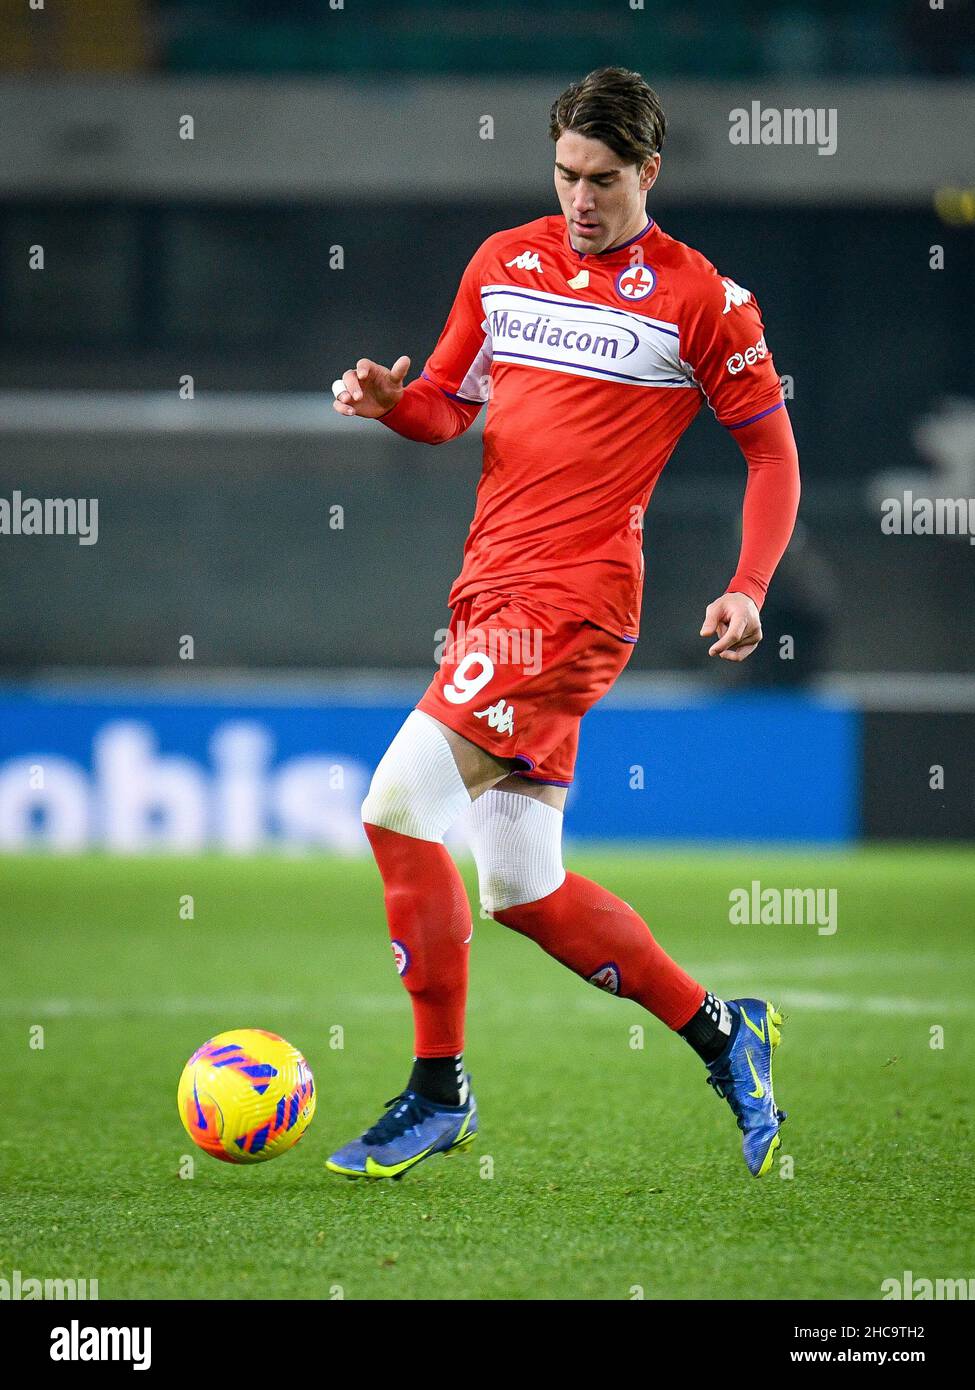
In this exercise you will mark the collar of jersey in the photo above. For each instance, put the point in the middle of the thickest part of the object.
(610, 250)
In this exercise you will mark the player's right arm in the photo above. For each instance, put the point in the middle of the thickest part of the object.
(420, 411)
(446, 399)
(369, 390)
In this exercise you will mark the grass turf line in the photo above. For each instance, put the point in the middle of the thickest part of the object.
(614, 1167)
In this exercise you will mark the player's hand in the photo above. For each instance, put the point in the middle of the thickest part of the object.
(369, 389)
(735, 619)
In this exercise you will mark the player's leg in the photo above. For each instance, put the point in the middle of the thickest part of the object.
(517, 845)
(459, 740)
(516, 839)
(422, 784)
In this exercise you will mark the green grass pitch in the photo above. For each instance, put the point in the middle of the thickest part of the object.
(602, 1170)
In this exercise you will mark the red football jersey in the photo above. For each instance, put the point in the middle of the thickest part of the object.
(592, 365)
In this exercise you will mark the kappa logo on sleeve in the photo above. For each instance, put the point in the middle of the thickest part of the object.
(734, 295)
(526, 260)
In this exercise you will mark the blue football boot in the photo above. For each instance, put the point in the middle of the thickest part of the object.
(412, 1129)
(742, 1075)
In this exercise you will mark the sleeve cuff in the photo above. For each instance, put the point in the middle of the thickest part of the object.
(740, 424)
(391, 416)
(747, 586)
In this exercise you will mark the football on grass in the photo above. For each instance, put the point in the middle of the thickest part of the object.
(246, 1096)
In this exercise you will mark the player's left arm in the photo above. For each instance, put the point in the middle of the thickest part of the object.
(725, 345)
(768, 517)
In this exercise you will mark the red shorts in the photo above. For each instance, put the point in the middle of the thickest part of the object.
(517, 676)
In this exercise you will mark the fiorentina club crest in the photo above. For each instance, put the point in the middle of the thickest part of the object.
(607, 977)
(401, 956)
(635, 282)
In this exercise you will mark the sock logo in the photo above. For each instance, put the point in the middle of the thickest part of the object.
(401, 956)
(607, 977)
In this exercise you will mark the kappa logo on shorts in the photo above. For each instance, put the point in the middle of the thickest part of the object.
(607, 977)
(499, 717)
(401, 956)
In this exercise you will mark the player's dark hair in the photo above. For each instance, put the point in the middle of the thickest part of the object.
(616, 106)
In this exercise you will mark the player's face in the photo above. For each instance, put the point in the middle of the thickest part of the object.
(603, 200)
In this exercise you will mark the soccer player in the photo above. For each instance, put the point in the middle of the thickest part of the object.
(594, 338)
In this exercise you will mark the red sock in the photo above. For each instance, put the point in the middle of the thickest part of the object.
(430, 925)
(602, 939)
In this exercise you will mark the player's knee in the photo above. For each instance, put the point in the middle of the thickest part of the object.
(501, 887)
(416, 790)
(517, 845)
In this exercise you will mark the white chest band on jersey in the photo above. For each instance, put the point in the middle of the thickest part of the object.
(517, 846)
(416, 789)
